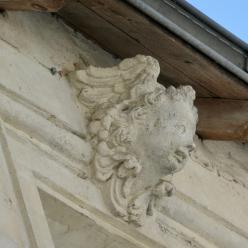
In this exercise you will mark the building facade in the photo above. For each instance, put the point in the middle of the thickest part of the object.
(57, 186)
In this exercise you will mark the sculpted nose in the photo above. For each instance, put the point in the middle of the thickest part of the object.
(191, 147)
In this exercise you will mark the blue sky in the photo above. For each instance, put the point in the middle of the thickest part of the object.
(231, 14)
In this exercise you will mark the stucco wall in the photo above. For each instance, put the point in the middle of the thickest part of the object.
(43, 145)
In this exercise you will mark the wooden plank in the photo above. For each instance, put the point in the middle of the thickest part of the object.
(36, 5)
(180, 63)
(222, 119)
(211, 125)
(120, 44)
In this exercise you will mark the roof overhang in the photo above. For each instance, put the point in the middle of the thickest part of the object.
(191, 50)
(35, 5)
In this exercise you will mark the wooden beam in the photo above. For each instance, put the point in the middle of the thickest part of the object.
(125, 32)
(36, 5)
(222, 119)
(117, 42)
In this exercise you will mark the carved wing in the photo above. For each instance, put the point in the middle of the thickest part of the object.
(104, 86)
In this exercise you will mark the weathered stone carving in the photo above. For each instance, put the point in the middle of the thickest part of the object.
(140, 131)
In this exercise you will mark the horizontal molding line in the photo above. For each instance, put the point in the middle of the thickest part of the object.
(75, 167)
(38, 110)
(35, 124)
(211, 214)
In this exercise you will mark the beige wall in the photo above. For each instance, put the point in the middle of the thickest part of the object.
(43, 146)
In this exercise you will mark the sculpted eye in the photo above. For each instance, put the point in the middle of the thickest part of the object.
(138, 114)
(157, 123)
(171, 115)
(180, 128)
(126, 108)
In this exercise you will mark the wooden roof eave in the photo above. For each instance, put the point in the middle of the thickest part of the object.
(34, 5)
(124, 31)
(222, 98)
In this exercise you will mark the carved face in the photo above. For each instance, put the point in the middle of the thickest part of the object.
(166, 139)
(140, 131)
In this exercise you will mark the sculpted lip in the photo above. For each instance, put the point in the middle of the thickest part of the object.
(180, 155)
